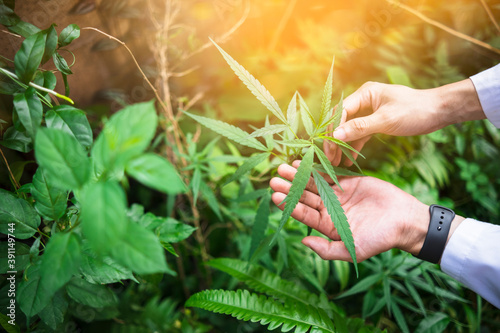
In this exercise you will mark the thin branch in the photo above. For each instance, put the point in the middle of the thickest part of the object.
(446, 28)
(10, 171)
(10, 33)
(490, 14)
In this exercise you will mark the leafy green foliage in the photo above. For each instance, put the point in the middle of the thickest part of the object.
(50, 202)
(18, 211)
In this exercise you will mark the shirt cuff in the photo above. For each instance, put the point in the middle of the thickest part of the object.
(487, 84)
(470, 257)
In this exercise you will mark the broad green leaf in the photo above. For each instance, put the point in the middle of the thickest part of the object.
(15, 140)
(4, 322)
(257, 89)
(268, 130)
(337, 215)
(69, 34)
(229, 131)
(29, 57)
(433, 324)
(24, 29)
(307, 118)
(50, 43)
(50, 201)
(126, 135)
(156, 172)
(363, 285)
(61, 64)
(8, 86)
(103, 270)
(15, 251)
(72, 121)
(249, 164)
(29, 109)
(62, 157)
(7, 15)
(93, 295)
(297, 189)
(45, 79)
(30, 296)
(172, 231)
(61, 259)
(140, 251)
(17, 211)
(53, 313)
(104, 219)
(327, 165)
(260, 224)
(327, 95)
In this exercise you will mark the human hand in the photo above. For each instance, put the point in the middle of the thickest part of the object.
(402, 111)
(381, 216)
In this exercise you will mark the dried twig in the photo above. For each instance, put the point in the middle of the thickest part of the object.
(446, 28)
(490, 14)
(10, 171)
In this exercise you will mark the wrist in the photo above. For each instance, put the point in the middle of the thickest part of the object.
(458, 102)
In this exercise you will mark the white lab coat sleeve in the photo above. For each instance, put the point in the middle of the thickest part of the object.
(472, 257)
(487, 84)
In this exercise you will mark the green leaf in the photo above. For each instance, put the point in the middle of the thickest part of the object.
(103, 270)
(338, 112)
(141, 251)
(397, 75)
(341, 143)
(61, 259)
(69, 34)
(414, 294)
(400, 319)
(17, 211)
(363, 285)
(208, 194)
(24, 29)
(307, 118)
(229, 131)
(252, 195)
(72, 121)
(297, 189)
(327, 165)
(63, 158)
(292, 115)
(245, 306)
(126, 135)
(29, 109)
(93, 295)
(15, 140)
(29, 57)
(4, 320)
(31, 297)
(16, 251)
(327, 95)
(433, 324)
(196, 183)
(7, 15)
(172, 231)
(350, 157)
(156, 172)
(260, 224)
(61, 64)
(296, 143)
(338, 171)
(53, 313)
(50, 201)
(268, 130)
(104, 219)
(257, 89)
(337, 215)
(249, 164)
(50, 43)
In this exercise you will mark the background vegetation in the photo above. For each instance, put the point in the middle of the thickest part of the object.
(287, 46)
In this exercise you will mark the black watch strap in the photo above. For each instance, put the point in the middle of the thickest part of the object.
(437, 235)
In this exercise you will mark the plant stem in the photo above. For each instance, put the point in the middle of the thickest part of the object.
(490, 14)
(10, 171)
(446, 28)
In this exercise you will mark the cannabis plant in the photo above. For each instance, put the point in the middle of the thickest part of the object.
(282, 140)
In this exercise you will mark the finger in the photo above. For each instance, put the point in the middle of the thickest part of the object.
(309, 216)
(358, 128)
(358, 145)
(288, 172)
(308, 198)
(327, 250)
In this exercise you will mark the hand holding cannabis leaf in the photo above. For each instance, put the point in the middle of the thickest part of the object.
(402, 111)
(381, 215)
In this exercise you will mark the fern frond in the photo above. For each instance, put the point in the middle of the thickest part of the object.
(264, 281)
(257, 89)
(229, 131)
(258, 308)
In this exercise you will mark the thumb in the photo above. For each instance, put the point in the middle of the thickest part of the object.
(358, 128)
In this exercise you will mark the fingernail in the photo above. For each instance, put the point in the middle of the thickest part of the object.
(339, 134)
